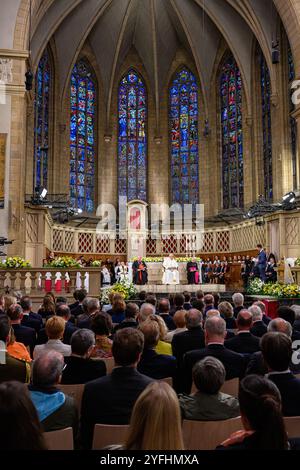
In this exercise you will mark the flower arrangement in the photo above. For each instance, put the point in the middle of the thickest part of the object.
(125, 288)
(297, 262)
(281, 291)
(64, 262)
(160, 259)
(15, 262)
(96, 264)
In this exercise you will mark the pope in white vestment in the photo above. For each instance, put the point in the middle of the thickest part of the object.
(171, 273)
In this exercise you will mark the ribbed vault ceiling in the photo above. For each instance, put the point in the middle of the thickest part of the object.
(156, 29)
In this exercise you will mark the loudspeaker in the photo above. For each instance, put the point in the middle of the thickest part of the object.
(28, 80)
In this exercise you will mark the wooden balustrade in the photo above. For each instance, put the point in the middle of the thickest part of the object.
(37, 281)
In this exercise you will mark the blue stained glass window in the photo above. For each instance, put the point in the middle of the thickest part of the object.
(132, 141)
(293, 123)
(265, 84)
(183, 122)
(232, 134)
(41, 121)
(82, 137)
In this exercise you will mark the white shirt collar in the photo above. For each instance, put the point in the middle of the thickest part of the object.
(274, 372)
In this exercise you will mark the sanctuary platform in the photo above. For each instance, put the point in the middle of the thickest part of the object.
(173, 289)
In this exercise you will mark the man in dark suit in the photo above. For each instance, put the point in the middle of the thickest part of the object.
(261, 262)
(257, 365)
(238, 303)
(265, 317)
(64, 312)
(130, 321)
(80, 369)
(110, 399)
(277, 353)
(244, 342)
(164, 313)
(259, 328)
(157, 366)
(12, 369)
(77, 308)
(90, 307)
(191, 339)
(215, 332)
(31, 319)
(23, 334)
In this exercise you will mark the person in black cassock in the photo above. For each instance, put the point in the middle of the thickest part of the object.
(140, 274)
(192, 272)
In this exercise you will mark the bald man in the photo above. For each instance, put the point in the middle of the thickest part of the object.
(244, 342)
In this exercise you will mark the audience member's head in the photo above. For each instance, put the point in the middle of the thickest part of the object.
(142, 295)
(199, 305)
(296, 309)
(92, 305)
(226, 310)
(151, 299)
(63, 311)
(55, 327)
(209, 375)
(15, 313)
(281, 326)
(132, 310)
(178, 300)
(193, 319)
(145, 311)
(199, 295)
(212, 313)
(256, 312)
(5, 326)
(238, 299)
(127, 347)
(26, 303)
(187, 297)
(48, 304)
(61, 301)
(217, 299)
(102, 324)
(164, 306)
(151, 332)
(163, 330)
(81, 295)
(287, 313)
(8, 301)
(277, 351)
(119, 304)
(20, 427)
(209, 300)
(155, 422)
(215, 330)
(82, 343)
(260, 405)
(47, 369)
(179, 318)
(261, 305)
(244, 320)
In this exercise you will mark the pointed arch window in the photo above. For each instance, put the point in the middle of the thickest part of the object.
(82, 137)
(232, 133)
(132, 140)
(43, 82)
(265, 87)
(184, 140)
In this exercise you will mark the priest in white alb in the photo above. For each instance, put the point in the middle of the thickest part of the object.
(171, 273)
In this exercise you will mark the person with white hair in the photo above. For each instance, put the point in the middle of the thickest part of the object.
(145, 311)
(296, 324)
(238, 303)
(258, 327)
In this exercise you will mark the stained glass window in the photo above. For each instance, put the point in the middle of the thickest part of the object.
(232, 134)
(82, 137)
(183, 122)
(265, 85)
(41, 124)
(132, 142)
(293, 123)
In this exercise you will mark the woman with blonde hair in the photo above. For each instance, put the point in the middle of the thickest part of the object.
(155, 421)
(162, 346)
(118, 309)
(9, 300)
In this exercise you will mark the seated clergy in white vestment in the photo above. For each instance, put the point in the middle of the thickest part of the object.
(171, 273)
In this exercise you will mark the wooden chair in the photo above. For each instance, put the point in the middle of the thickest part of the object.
(292, 424)
(59, 440)
(168, 380)
(207, 435)
(110, 364)
(107, 435)
(74, 391)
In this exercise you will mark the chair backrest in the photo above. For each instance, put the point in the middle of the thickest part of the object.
(59, 440)
(207, 435)
(168, 380)
(297, 375)
(75, 391)
(109, 362)
(107, 435)
(292, 424)
(231, 387)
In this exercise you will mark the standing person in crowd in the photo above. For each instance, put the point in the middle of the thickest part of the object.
(102, 328)
(55, 409)
(208, 403)
(238, 303)
(140, 273)
(155, 422)
(192, 269)
(10, 367)
(260, 405)
(20, 427)
(80, 368)
(110, 399)
(271, 274)
(261, 262)
(55, 328)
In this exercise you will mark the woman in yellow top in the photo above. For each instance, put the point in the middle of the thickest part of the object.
(162, 347)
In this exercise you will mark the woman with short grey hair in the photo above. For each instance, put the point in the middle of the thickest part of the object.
(208, 403)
